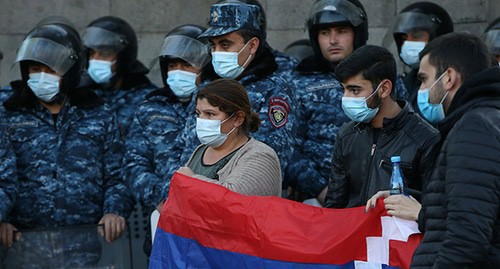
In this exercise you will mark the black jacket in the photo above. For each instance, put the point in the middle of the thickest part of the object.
(362, 157)
(461, 208)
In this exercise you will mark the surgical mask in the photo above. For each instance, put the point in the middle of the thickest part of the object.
(182, 83)
(45, 86)
(432, 112)
(226, 63)
(100, 71)
(209, 132)
(357, 110)
(410, 51)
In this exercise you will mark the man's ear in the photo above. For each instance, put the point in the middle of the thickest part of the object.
(385, 88)
(254, 45)
(452, 80)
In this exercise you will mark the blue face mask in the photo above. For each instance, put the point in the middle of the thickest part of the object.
(182, 83)
(409, 52)
(100, 71)
(357, 110)
(432, 112)
(45, 86)
(226, 63)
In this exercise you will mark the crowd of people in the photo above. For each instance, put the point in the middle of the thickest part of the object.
(85, 135)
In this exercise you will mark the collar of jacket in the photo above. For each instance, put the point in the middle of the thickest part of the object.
(166, 92)
(314, 64)
(481, 90)
(23, 97)
(393, 124)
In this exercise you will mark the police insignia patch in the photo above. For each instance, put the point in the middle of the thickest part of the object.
(278, 112)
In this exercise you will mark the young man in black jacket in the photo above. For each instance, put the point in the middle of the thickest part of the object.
(461, 207)
(381, 127)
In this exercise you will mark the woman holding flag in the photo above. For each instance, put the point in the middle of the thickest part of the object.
(228, 156)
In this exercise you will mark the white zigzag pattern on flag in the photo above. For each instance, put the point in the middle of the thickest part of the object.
(393, 228)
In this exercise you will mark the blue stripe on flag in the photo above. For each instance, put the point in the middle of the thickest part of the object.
(174, 251)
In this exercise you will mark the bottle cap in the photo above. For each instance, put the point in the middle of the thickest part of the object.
(395, 159)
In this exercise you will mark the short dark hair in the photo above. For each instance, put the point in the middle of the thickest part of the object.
(248, 34)
(463, 52)
(375, 63)
(230, 97)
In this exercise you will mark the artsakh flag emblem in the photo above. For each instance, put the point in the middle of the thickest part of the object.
(203, 225)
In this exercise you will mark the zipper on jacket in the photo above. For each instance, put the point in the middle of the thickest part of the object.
(376, 135)
(374, 146)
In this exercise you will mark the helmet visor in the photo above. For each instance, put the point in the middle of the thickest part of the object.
(409, 22)
(492, 40)
(99, 38)
(188, 49)
(354, 14)
(47, 52)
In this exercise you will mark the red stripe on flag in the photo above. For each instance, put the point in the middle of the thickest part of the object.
(268, 227)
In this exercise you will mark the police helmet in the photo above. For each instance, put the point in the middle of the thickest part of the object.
(113, 33)
(491, 36)
(182, 43)
(425, 16)
(56, 45)
(337, 12)
(299, 49)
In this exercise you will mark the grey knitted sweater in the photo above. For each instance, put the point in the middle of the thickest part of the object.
(253, 170)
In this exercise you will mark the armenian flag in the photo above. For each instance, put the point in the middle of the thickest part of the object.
(204, 225)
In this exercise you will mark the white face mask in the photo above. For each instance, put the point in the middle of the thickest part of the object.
(409, 52)
(182, 83)
(209, 132)
(226, 63)
(45, 86)
(100, 71)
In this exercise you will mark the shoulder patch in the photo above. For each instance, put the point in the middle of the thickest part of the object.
(278, 111)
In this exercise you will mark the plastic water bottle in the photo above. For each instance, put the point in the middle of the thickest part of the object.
(397, 180)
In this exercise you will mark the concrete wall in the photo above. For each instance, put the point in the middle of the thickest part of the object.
(152, 19)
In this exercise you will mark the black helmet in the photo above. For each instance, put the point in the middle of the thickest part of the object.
(116, 34)
(56, 45)
(337, 12)
(491, 36)
(182, 43)
(426, 16)
(299, 49)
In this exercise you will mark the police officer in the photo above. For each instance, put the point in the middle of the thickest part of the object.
(491, 37)
(239, 52)
(285, 62)
(150, 143)
(66, 141)
(112, 65)
(157, 121)
(336, 28)
(413, 28)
